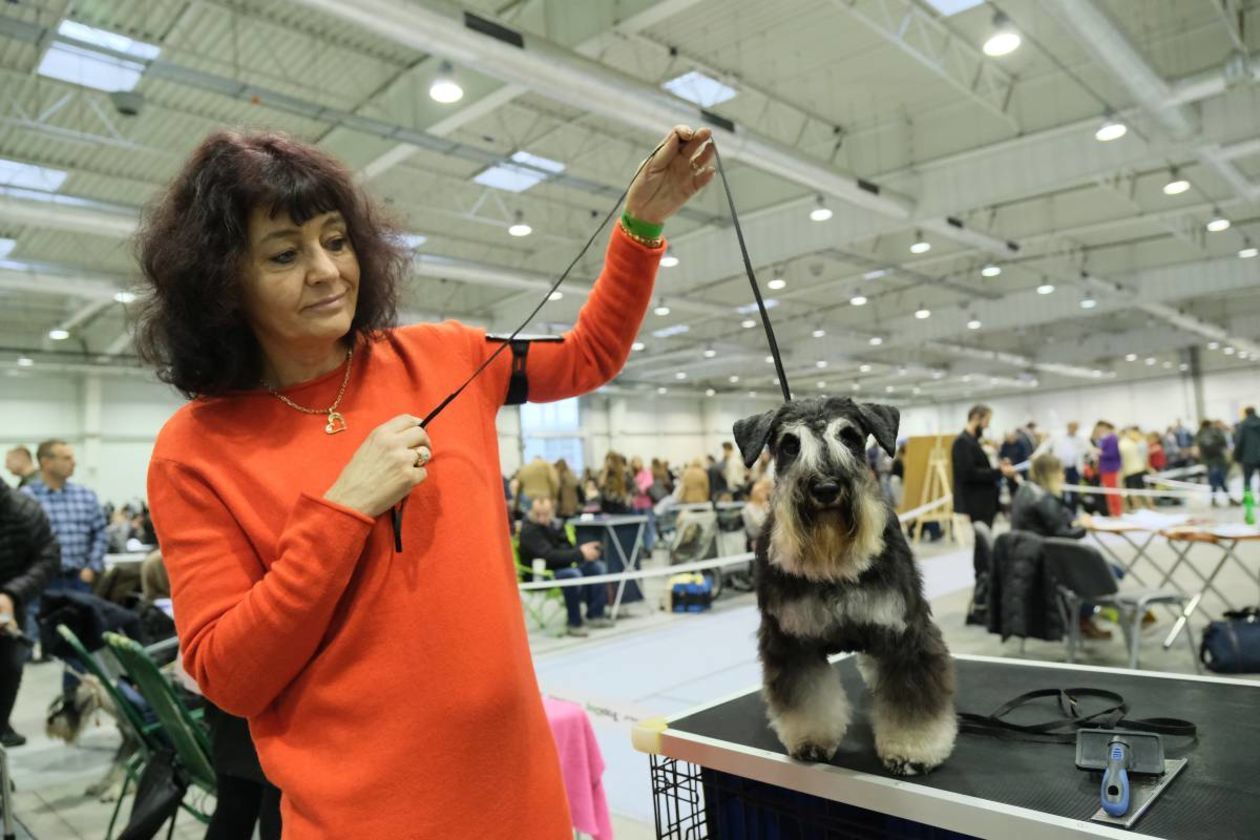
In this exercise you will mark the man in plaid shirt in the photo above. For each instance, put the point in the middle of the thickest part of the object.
(76, 516)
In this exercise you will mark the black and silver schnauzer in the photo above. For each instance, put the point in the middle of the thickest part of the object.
(834, 573)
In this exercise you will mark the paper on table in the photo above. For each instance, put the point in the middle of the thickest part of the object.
(1234, 530)
(1153, 520)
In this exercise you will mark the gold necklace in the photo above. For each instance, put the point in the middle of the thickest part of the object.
(336, 423)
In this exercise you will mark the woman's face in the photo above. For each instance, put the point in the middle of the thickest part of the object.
(301, 281)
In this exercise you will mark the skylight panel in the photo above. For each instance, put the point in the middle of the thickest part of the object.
(81, 65)
(29, 176)
(676, 329)
(953, 7)
(750, 308)
(412, 241)
(514, 177)
(703, 90)
(109, 40)
(6, 247)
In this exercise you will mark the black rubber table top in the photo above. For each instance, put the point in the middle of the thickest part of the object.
(1216, 796)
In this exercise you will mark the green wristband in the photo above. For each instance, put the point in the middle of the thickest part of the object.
(638, 227)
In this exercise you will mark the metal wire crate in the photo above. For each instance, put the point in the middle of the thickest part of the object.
(696, 803)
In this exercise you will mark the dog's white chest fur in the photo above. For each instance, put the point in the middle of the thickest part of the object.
(812, 616)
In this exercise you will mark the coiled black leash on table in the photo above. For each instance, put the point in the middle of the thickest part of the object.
(397, 512)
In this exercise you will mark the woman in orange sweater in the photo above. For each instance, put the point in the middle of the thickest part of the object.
(383, 702)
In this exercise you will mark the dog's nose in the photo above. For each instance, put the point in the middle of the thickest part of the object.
(825, 491)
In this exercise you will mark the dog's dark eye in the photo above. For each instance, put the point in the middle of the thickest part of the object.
(790, 445)
(851, 437)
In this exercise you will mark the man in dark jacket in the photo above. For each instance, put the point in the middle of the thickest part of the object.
(29, 558)
(1247, 445)
(975, 480)
(542, 540)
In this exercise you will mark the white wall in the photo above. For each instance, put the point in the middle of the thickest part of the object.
(1151, 403)
(113, 431)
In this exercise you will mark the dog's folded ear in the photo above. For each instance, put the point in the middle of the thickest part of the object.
(751, 435)
(881, 421)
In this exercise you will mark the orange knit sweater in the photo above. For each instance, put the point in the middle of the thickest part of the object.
(390, 695)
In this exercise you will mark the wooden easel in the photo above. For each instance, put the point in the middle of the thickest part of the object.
(936, 486)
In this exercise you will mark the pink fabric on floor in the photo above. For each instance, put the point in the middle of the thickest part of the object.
(582, 766)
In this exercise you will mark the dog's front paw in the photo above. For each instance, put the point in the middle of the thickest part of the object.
(811, 751)
(918, 748)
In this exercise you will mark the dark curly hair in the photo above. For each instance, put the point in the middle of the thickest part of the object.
(194, 239)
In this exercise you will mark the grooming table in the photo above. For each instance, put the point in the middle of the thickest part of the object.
(1224, 537)
(720, 772)
(622, 538)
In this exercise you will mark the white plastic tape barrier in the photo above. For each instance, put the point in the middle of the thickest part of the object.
(699, 565)
(1089, 490)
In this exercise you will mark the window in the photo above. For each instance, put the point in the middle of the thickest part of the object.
(553, 430)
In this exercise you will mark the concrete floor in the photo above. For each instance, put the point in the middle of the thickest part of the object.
(653, 663)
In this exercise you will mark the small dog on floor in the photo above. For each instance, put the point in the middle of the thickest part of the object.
(834, 573)
(68, 718)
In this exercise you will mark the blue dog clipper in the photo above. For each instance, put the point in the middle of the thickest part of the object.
(1115, 781)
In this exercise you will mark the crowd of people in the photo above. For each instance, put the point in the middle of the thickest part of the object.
(1044, 481)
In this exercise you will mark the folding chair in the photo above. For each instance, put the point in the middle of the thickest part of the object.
(542, 606)
(129, 718)
(1081, 576)
(187, 736)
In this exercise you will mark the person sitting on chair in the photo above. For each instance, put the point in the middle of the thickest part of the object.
(542, 540)
(1039, 507)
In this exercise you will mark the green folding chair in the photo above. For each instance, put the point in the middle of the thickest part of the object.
(186, 734)
(542, 606)
(128, 716)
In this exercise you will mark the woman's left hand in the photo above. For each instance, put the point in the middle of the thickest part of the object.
(678, 171)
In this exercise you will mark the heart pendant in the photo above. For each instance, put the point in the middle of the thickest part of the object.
(336, 423)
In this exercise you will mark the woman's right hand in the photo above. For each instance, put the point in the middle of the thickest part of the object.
(385, 468)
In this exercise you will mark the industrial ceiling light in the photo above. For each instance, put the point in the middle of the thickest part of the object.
(661, 309)
(556, 295)
(822, 212)
(864, 368)
(709, 352)
(681, 375)
(1214, 345)
(709, 392)
(1248, 252)
(734, 378)
(1229, 351)
(1218, 223)
(920, 245)
(856, 386)
(991, 270)
(25, 361)
(444, 88)
(669, 260)
(819, 332)
(821, 384)
(1004, 40)
(1111, 129)
(974, 323)
(748, 323)
(1045, 289)
(1130, 357)
(752, 394)
(1150, 361)
(662, 390)
(858, 300)
(889, 389)
(776, 284)
(769, 360)
(821, 363)
(58, 334)
(519, 227)
(125, 297)
(1088, 303)
(637, 346)
(923, 313)
(876, 340)
(1176, 184)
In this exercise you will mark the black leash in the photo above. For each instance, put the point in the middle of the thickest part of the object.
(397, 512)
(1062, 730)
